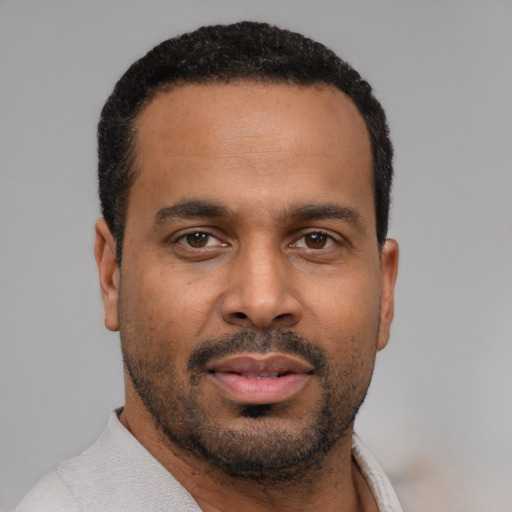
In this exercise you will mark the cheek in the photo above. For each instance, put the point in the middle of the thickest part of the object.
(168, 304)
(347, 320)
(348, 304)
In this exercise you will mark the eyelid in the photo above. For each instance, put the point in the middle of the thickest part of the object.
(182, 234)
(335, 238)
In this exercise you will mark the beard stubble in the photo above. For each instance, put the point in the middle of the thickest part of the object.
(261, 446)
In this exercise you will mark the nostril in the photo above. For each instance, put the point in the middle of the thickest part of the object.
(241, 315)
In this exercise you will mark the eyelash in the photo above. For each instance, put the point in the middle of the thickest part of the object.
(202, 231)
(325, 237)
(328, 238)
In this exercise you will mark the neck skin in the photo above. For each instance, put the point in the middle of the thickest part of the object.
(336, 485)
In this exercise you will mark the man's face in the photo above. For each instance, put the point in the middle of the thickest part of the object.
(252, 298)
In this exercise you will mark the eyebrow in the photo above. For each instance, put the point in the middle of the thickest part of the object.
(198, 208)
(326, 211)
(191, 209)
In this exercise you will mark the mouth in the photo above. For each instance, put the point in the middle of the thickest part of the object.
(260, 378)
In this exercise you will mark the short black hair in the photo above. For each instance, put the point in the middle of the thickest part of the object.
(248, 51)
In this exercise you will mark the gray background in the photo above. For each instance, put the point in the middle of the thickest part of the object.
(439, 413)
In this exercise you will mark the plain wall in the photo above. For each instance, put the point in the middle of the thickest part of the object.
(439, 413)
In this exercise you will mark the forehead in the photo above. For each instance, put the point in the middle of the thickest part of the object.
(244, 141)
(249, 109)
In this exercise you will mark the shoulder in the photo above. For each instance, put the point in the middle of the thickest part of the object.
(49, 494)
(115, 474)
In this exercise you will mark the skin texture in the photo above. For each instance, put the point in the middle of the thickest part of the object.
(251, 215)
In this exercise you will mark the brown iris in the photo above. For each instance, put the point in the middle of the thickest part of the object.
(315, 240)
(198, 239)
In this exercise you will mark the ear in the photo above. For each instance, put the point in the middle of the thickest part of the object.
(108, 270)
(389, 271)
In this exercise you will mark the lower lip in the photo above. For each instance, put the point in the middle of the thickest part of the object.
(268, 390)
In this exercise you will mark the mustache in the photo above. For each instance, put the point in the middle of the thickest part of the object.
(259, 342)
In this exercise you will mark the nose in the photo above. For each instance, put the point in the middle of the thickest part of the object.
(260, 293)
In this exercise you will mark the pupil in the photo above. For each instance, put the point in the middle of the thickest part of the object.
(316, 240)
(197, 239)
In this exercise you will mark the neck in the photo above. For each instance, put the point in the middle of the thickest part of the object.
(317, 493)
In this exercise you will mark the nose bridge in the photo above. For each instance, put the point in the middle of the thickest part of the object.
(262, 276)
(260, 291)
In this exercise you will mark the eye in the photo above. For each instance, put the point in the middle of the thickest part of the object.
(199, 240)
(315, 240)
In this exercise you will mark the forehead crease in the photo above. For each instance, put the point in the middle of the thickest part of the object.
(217, 103)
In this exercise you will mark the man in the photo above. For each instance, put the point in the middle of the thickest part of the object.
(244, 174)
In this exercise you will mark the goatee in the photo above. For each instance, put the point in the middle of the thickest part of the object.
(265, 445)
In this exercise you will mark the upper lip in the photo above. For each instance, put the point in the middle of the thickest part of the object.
(268, 364)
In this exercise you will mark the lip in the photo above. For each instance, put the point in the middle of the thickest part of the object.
(260, 378)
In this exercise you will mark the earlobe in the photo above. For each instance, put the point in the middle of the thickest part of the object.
(389, 272)
(108, 271)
